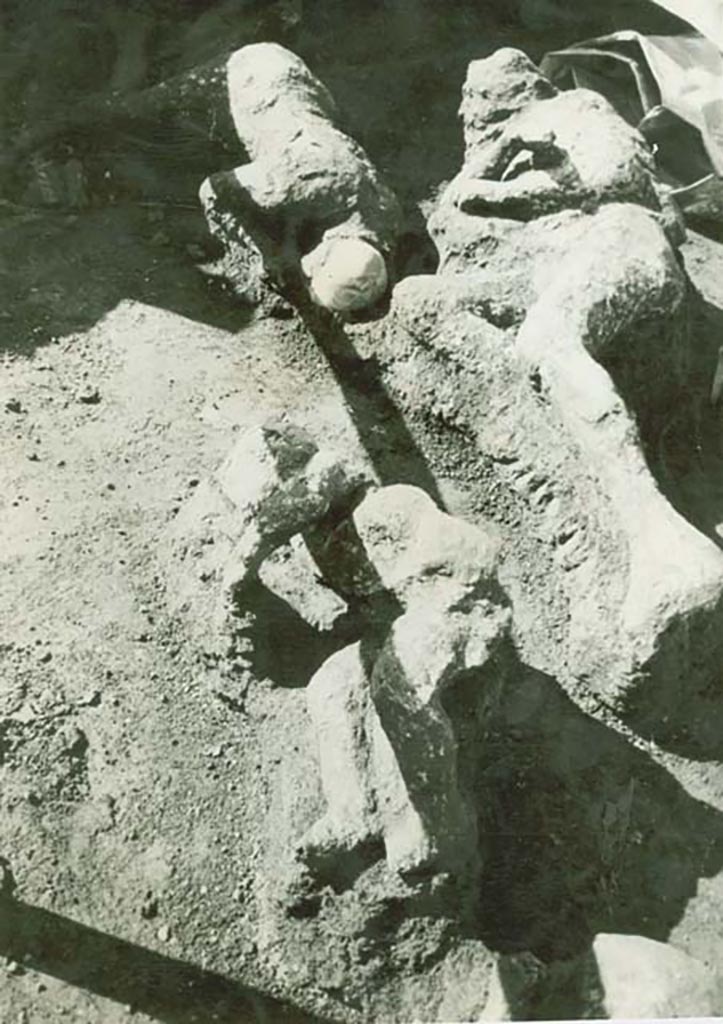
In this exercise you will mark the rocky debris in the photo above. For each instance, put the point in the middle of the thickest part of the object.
(556, 340)
(621, 976)
(89, 395)
(149, 908)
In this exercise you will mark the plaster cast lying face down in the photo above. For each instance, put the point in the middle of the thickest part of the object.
(309, 197)
(555, 239)
(305, 206)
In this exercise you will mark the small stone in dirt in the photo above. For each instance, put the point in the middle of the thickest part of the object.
(89, 396)
(14, 405)
(149, 910)
(164, 933)
(7, 879)
(34, 457)
(14, 968)
(45, 658)
(91, 701)
(60, 463)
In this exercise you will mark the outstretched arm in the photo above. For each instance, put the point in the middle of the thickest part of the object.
(201, 94)
(250, 201)
(518, 177)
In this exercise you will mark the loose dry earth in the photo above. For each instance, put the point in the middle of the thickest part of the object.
(150, 795)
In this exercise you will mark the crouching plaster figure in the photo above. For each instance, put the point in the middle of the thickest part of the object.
(388, 752)
(424, 583)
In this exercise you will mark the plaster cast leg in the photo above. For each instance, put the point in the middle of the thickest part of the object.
(254, 238)
(338, 701)
(674, 570)
(426, 651)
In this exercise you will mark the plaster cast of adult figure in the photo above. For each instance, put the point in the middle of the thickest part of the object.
(387, 749)
(556, 225)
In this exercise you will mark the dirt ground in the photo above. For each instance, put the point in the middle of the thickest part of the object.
(149, 796)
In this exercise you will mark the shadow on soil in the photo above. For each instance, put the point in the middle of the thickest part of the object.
(168, 990)
(688, 457)
(303, 649)
(62, 272)
(580, 831)
(380, 425)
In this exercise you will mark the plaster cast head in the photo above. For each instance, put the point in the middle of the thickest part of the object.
(531, 151)
(345, 275)
(496, 88)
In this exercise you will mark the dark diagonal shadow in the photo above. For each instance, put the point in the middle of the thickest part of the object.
(580, 831)
(687, 460)
(168, 990)
(380, 425)
(286, 648)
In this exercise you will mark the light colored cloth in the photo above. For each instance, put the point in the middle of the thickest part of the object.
(704, 15)
(689, 71)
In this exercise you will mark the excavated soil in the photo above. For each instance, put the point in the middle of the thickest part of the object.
(149, 796)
